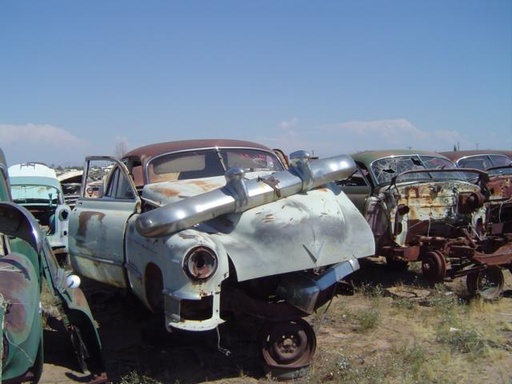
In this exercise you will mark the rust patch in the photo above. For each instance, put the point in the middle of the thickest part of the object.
(79, 299)
(168, 192)
(273, 183)
(84, 219)
(16, 287)
(503, 256)
(205, 185)
(500, 187)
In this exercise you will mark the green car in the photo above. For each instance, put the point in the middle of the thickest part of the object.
(28, 268)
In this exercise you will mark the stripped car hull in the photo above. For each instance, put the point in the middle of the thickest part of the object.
(446, 221)
(418, 212)
(272, 243)
(498, 165)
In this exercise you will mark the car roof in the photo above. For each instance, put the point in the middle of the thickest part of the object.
(32, 170)
(456, 155)
(149, 151)
(367, 157)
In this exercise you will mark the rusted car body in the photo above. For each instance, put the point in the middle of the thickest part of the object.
(495, 232)
(498, 165)
(422, 208)
(36, 187)
(204, 229)
(27, 267)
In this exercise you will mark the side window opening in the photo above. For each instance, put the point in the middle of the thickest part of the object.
(119, 186)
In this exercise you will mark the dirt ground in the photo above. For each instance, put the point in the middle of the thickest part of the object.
(134, 342)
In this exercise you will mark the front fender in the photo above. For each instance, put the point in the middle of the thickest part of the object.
(183, 296)
(179, 245)
(168, 254)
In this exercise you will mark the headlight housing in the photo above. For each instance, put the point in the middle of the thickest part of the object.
(200, 263)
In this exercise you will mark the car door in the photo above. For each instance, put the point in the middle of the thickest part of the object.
(98, 221)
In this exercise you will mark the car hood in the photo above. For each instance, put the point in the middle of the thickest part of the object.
(301, 232)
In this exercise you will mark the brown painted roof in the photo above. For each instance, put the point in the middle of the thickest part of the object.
(148, 151)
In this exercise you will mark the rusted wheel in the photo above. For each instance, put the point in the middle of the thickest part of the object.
(487, 284)
(433, 266)
(288, 347)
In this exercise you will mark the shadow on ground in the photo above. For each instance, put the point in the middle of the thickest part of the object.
(135, 341)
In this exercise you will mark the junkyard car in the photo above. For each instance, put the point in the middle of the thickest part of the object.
(201, 229)
(36, 187)
(498, 165)
(71, 182)
(27, 267)
(422, 208)
(480, 159)
(495, 232)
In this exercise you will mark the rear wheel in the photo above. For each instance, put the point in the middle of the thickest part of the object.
(288, 348)
(487, 284)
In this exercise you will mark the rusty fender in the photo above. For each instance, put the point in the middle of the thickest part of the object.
(239, 195)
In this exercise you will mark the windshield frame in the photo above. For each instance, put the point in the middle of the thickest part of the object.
(413, 168)
(201, 163)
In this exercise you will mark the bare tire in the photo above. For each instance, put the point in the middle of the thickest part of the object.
(487, 284)
(433, 266)
(288, 348)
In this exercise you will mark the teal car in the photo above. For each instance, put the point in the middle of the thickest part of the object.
(28, 268)
(36, 187)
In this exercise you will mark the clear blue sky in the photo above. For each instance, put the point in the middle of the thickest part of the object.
(80, 78)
